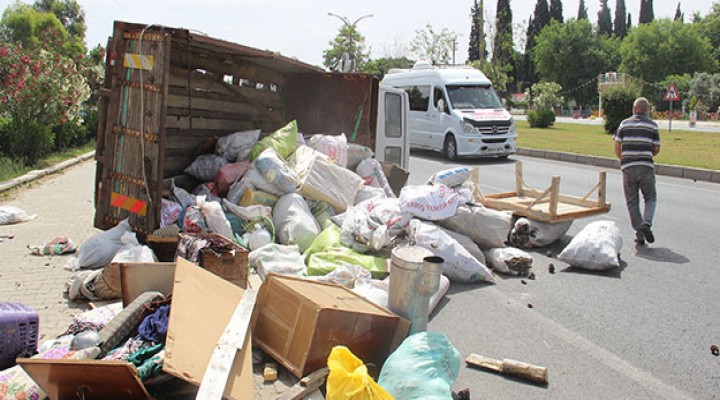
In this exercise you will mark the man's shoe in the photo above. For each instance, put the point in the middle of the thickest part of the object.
(639, 238)
(647, 233)
(640, 241)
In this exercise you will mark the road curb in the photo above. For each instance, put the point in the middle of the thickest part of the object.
(36, 174)
(698, 174)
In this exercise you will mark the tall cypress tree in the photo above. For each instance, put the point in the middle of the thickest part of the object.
(605, 25)
(582, 11)
(503, 44)
(556, 10)
(620, 27)
(646, 12)
(629, 22)
(528, 74)
(679, 15)
(476, 49)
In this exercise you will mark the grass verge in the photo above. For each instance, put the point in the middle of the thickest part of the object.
(10, 169)
(683, 148)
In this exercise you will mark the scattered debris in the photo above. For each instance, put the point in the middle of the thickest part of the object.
(530, 305)
(715, 350)
(551, 268)
(462, 395)
(523, 281)
(270, 372)
(505, 366)
(531, 276)
(550, 254)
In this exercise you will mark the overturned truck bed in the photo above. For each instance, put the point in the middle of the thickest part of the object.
(167, 91)
(548, 205)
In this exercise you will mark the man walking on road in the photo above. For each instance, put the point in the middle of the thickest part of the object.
(637, 140)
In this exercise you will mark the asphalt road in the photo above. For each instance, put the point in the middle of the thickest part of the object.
(642, 331)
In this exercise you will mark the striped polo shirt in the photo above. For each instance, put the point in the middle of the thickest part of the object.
(637, 135)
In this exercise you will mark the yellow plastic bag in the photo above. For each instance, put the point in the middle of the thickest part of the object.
(349, 379)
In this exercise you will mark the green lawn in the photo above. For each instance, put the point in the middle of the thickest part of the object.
(10, 169)
(684, 148)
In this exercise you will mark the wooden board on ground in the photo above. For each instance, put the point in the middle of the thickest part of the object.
(548, 205)
(91, 379)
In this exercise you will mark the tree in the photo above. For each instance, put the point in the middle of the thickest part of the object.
(679, 15)
(71, 16)
(655, 50)
(556, 10)
(629, 22)
(605, 25)
(497, 74)
(620, 27)
(571, 55)
(350, 41)
(706, 87)
(381, 66)
(24, 25)
(538, 20)
(647, 14)
(582, 11)
(503, 44)
(710, 27)
(476, 48)
(432, 46)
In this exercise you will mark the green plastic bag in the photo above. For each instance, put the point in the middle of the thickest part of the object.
(328, 238)
(349, 379)
(283, 141)
(324, 262)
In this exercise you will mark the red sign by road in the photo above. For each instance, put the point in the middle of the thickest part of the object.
(672, 94)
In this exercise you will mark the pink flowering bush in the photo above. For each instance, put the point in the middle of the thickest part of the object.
(39, 90)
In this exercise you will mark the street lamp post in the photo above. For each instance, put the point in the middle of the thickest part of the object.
(348, 24)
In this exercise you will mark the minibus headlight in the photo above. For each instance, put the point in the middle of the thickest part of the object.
(468, 129)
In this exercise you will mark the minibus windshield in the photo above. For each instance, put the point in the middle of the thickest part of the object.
(468, 97)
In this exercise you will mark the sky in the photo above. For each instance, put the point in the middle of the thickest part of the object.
(303, 29)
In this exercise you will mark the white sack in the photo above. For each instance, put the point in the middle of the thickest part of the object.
(278, 259)
(346, 275)
(99, 250)
(486, 227)
(276, 172)
(509, 260)
(373, 223)
(236, 146)
(215, 218)
(357, 153)
(182, 196)
(460, 265)
(528, 233)
(432, 203)
(205, 167)
(596, 247)
(368, 193)
(11, 215)
(132, 251)
(450, 177)
(294, 223)
(334, 147)
(335, 185)
(303, 157)
(467, 243)
(373, 175)
(248, 213)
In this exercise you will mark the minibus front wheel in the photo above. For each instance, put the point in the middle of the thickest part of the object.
(450, 147)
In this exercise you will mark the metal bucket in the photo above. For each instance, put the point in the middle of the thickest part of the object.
(414, 278)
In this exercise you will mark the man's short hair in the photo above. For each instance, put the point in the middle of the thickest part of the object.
(641, 105)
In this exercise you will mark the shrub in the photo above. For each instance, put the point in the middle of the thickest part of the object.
(26, 142)
(617, 102)
(70, 134)
(541, 118)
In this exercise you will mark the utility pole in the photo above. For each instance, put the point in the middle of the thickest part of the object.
(348, 24)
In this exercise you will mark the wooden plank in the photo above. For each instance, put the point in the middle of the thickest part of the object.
(306, 386)
(138, 278)
(506, 366)
(205, 83)
(554, 193)
(519, 184)
(229, 65)
(231, 341)
(223, 103)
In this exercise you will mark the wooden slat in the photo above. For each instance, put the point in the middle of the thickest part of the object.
(218, 369)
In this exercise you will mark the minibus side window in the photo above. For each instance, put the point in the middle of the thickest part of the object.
(419, 97)
(439, 95)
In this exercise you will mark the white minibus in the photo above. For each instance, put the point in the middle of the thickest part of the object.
(454, 110)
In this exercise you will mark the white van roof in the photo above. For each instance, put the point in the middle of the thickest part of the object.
(426, 73)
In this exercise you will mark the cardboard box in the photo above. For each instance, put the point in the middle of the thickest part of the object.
(396, 176)
(232, 266)
(299, 321)
(202, 306)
